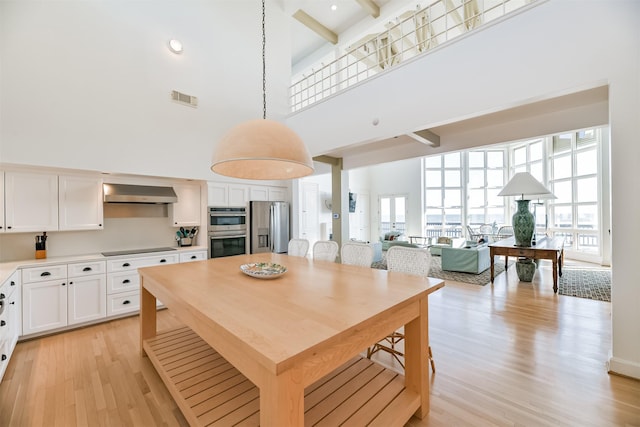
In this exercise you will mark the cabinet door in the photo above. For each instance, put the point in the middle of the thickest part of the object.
(44, 306)
(259, 193)
(277, 194)
(186, 212)
(31, 202)
(80, 203)
(87, 299)
(2, 227)
(238, 195)
(217, 194)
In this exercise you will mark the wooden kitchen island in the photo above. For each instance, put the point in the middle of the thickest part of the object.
(286, 351)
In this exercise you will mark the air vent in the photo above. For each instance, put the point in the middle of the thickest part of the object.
(183, 98)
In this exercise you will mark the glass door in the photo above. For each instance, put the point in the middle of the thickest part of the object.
(393, 214)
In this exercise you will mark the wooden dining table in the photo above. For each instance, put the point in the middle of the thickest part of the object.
(287, 351)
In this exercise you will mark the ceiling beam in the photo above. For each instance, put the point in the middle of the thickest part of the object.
(307, 20)
(370, 6)
(425, 136)
(334, 161)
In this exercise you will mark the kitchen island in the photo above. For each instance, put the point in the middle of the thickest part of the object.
(295, 341)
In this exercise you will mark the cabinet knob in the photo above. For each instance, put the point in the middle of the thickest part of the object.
(12, 283)
(87, 269)
(125, 302)
(2, 296)
(3, 323)
(71, 283)
(63, 284)
(4, 357)
(8, 227)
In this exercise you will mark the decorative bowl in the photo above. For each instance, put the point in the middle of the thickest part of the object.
(263, 270)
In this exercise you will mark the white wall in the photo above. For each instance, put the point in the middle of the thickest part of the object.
(553, 49)
(86, 84)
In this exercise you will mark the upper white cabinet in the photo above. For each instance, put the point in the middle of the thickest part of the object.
(186, 212)
(277, 194)
(80, 203)
(268, 193)
(258, 193)
(31, 202)
(225, 195)
(2, 226)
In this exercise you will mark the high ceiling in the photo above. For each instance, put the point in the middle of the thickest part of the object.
(347, 14)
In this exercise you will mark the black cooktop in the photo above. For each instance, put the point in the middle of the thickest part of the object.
(137, 251)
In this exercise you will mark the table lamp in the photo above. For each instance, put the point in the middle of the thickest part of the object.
(523, 184)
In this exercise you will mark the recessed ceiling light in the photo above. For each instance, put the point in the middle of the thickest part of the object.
(334, 7)
(175, 46)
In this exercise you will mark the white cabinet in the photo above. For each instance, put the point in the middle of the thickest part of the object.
(86, 292)
(80, 203)
(277, 194)
(258, 193)
(193, 256)
(186, 212)
(31, 201)
(57, 296)
(123, 289)
(2, 227)
(10, 322)
(227, 195)
(268, 193)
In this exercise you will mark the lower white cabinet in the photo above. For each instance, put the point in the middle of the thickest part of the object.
(78, 297)
(10, 322)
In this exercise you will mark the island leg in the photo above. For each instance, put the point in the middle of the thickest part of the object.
(282, 400)
(416, 368)
(147, 316)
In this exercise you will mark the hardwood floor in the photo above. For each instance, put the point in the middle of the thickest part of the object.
(510, 353)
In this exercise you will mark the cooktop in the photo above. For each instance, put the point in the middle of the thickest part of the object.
(137, 251)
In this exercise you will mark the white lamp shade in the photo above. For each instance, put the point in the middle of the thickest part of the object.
(262, 149)
(525, 185)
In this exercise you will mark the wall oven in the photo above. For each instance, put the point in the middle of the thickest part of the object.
(227, 231)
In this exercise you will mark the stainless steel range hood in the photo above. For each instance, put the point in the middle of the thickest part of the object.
(126, 193)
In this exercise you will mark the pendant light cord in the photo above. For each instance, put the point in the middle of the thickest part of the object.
(264, 66)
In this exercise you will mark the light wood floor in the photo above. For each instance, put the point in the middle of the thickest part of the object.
(506, 354)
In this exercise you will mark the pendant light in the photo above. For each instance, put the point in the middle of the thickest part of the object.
(262, 149)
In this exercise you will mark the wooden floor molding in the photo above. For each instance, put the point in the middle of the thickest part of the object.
(211, 392)
(511, 353)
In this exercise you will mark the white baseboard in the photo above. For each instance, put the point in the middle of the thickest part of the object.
(624, 367)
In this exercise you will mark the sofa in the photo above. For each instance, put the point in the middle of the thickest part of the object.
(469, 259)
(392, 239)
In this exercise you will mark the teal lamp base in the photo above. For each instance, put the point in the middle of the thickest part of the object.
(523, 224)
(526, 268)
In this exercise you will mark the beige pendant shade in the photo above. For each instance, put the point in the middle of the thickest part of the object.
(262, 149)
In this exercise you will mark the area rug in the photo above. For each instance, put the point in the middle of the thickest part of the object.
(436, 271)
(589, 283)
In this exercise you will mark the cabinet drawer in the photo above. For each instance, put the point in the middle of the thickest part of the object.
(193, 256)
(12, 283)
(131, 264)
(123, 281)
(86, 268)
(122, 303)
(41, 274)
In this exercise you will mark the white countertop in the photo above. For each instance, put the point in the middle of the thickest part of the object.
(8, 268)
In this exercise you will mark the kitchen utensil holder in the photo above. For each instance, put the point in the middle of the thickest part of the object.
(185, 241)
(41, 253)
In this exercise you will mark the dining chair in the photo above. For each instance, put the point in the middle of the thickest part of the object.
(415, 261)
(356, 254)
(298, 247)
(325, 250)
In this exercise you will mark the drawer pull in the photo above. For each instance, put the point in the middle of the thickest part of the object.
(125, 281)
(87, 269)
(163, 260)
(45, 273)
(126, 264)
(125, 302)
(13, 283)
(63, 284)
(4, 356)
(193, 257)
(3, 323)
(2, 296)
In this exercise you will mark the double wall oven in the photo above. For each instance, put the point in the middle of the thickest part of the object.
(227, 231)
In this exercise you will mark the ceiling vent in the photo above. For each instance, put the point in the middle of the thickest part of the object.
(183, 98)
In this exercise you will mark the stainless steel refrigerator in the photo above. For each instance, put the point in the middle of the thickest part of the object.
(269, 226)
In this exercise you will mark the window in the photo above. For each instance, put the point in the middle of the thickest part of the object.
(443, 195)
(486, 179)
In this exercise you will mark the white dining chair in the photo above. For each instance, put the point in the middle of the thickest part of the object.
(325, 250)
(356, 254)
(415, 261)
(298, 247)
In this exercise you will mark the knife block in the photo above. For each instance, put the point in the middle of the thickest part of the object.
(41, 253)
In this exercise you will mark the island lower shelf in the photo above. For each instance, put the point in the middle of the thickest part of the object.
(210, 391)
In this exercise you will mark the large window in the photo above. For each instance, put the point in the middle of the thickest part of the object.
(443, 195)
(568, 164)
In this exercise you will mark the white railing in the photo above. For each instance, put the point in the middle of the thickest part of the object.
(415, 32)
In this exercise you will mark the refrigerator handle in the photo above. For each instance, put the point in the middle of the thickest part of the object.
(272, 226)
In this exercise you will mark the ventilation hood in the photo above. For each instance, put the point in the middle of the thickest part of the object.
(126, 193)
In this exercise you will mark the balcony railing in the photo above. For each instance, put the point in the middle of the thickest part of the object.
(415, 33)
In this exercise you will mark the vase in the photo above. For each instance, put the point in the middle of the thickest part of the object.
(523, 224)
(526, 268)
